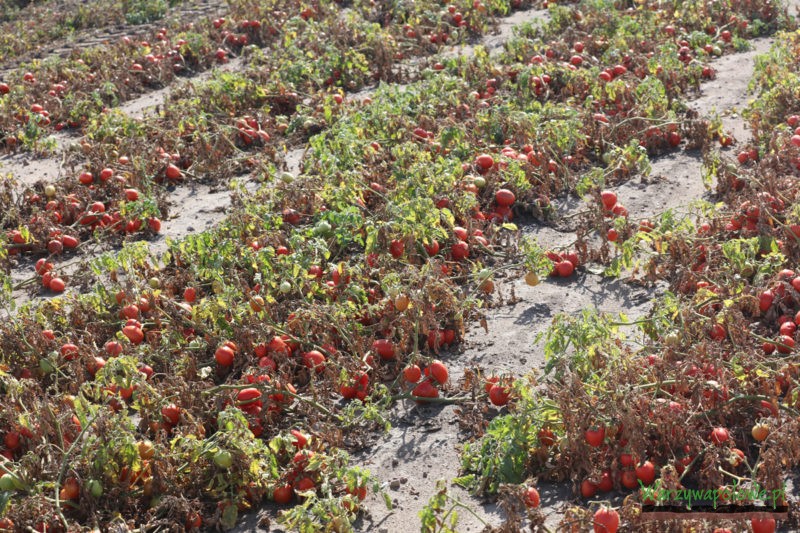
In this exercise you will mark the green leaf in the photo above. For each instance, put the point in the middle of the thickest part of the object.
(387, 500)
(466, 482)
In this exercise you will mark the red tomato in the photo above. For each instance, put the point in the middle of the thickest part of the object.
(305, 484)
(70, 490)
(572, 257)
(719, 435)
(171, 414)
(113, 348)
(498, 395)
(765, 300)
(785, 344)
(173, 172)
(396, 248)
(57, 285)
(565, 268)
(12, 440)
(606, 520)
(718, 332)
(300, 440)
(460, 233)
(763, 525)
(588, 489)
(609, 199)
(189, 294)
(69, 351)
(546, 437)
(788, 328)
(438, 371)
(460, 251)
(193, 521)
(248, 395)
(283, 494)
(42, 266)
(130, 311)
(432, 248)
(425, 390)
(314, 360)
(224, 356)
(606, 483)
(134, 334)
(412, 373)
(532, 497)
(629, 479)
(484, 161)
(595, 436)
(70, 242)
(94, 364)
(504, 197)
(646, 472)
(277, 344)
(384, 348)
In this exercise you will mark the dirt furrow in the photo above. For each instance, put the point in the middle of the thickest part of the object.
(494, 42)
(148, 103)
(727, 94)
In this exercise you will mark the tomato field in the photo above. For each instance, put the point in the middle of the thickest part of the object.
(350, 265)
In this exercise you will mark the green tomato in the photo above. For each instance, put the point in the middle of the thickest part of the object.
(672, 339)
(285, 287)
(286, 177)
(46, 365)
(323, 228)
(95, 488)
(8, 482)
(154, 283)
(479, 181)
(223, 459)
